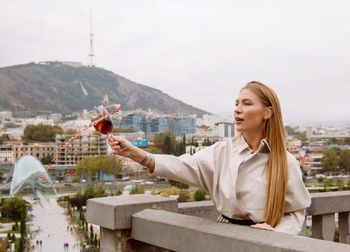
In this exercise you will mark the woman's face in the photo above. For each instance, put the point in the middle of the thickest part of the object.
(250, 113)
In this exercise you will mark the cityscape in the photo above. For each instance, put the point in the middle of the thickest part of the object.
(169, 76)
(323, 154)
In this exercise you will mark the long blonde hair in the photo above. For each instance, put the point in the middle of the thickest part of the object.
(277, 165)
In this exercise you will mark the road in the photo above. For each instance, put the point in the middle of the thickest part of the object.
(51, 224)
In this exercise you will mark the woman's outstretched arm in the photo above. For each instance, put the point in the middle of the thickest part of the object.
(123, 147)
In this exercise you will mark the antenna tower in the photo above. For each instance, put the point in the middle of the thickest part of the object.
(91, 52)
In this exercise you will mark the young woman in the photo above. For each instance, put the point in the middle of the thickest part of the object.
(252, 179)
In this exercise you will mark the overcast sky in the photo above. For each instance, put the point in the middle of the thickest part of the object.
(201, 52)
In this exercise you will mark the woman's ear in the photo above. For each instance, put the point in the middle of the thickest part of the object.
(268, 112)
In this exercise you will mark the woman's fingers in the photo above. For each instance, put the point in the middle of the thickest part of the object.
(263, 226)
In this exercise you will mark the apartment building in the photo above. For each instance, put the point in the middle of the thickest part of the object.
(38, 150)
(6, 154)
(79, 148)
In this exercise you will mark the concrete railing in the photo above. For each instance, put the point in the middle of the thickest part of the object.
(323, 208)
(154, 223)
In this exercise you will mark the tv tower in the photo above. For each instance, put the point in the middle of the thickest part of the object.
(91, 51)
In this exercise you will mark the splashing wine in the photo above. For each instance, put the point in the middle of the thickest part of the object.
(104, 127)
(102, 124)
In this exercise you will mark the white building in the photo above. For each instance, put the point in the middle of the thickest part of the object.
(226, 129)
(6, 154)
(5, 115)
(38, 120)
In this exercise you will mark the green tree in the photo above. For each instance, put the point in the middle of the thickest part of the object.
(194, 142)
(302, 136)
(4, 137)
(330, 160)
(290, 130)
(14, 208)
(123, 130)
(41, 133)
(207, 142)
(180, 147)
(91, 240)
(90, 166)
(165, 142)
(337, 150)
(71, 132)
(46, 159)
(344, 160)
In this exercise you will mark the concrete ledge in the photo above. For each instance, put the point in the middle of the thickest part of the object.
(187, 233)
(329, 202)
(115, 212)
(205, 209)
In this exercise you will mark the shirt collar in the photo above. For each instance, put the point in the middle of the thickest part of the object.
(243, 145)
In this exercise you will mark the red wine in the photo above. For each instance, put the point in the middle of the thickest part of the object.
(105, 126)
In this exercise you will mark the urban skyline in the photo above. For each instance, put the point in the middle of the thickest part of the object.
(196, 51)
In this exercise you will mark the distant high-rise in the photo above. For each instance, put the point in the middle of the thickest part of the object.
(91, 51)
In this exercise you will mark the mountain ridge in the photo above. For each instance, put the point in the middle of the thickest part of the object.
(63, 88)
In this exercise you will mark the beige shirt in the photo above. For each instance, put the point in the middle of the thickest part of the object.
(236, 181)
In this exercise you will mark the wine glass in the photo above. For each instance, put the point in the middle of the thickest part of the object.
(102, 120)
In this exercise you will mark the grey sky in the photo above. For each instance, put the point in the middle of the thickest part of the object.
(201, 52)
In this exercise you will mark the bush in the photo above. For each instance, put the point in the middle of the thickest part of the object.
(78, 201)
(117, 192)
(75, 180)
(327, 182)
(89, 192)
(136, 189)
(183, 198)
(99, 192)
(171, 191)
(340, 184)
(63, 199)
(199, 195)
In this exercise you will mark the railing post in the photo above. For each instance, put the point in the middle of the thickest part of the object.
(344, 227)
(113, 215)
(323, 226)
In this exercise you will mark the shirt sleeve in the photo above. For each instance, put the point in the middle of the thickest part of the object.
(291, 223)
(196, 170)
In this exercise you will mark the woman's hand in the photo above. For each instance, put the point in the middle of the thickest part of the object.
(120, 146)
(123, 147)
(263, 226)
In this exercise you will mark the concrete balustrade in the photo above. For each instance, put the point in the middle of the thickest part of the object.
(323, 209)
(205, 209)
(153, 223)
(113, 215)
(178, 232)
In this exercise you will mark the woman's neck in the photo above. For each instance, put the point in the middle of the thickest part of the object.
(253, 140)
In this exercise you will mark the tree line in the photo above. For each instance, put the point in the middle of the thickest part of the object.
(336, 160)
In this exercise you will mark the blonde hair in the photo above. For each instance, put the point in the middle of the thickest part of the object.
(277, 165)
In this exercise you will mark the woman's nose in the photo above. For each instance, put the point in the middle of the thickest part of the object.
(237, 109)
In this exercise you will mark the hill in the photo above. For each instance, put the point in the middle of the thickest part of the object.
(55, 87)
